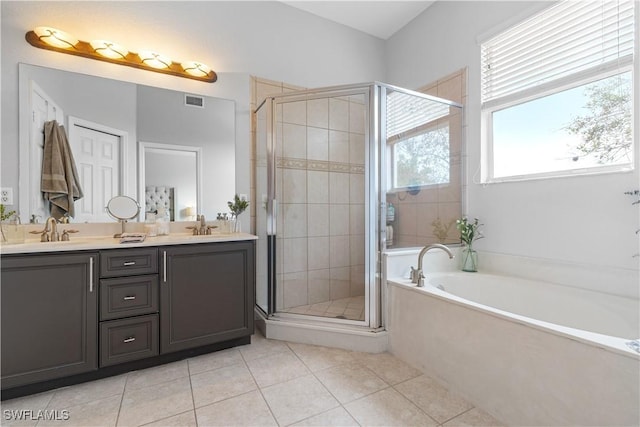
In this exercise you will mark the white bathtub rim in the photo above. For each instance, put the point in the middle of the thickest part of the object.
(606, 342)
(560, 272)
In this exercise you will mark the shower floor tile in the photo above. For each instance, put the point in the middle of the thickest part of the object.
(351, 308)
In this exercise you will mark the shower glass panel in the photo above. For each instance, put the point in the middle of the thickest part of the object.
(320, 189)
(263, 253)
(424, 175)
(330, 163)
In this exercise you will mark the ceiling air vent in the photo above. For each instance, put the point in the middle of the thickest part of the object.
(193, 101)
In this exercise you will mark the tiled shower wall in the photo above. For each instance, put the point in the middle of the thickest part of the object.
(320, 151)
(416, 215)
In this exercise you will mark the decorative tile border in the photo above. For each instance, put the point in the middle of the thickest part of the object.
(319, 165)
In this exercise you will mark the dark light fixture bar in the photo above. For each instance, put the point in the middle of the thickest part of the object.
(102, 50)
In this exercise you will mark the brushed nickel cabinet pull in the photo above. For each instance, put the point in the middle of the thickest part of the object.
(130, 339)
(91, 274)
(164, 266)
(128, 263)
(129, 298)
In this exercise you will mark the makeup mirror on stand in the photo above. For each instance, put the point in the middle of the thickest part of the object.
(123, 208)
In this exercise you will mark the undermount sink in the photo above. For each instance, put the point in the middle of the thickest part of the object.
(71, 241)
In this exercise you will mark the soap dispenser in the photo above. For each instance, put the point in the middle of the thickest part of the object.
(162, 222)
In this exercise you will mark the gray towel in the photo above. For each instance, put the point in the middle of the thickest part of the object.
(60, 183)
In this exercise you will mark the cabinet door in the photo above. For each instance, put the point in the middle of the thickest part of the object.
(49, 317)
(206, 294)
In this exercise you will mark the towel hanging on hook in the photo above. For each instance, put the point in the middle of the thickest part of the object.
(59, 184)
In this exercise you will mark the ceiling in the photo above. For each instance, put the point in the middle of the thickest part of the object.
(378, 18)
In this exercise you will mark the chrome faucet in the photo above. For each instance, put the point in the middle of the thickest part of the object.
(417, 275)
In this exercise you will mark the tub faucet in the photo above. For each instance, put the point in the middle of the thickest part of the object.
(417, 275)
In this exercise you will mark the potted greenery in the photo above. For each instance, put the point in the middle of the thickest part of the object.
(468, 234)
(4, 216)
(237, 207)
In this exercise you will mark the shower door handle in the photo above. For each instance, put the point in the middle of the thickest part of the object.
(272, 221)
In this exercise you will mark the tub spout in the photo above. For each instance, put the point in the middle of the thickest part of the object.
(417, 275)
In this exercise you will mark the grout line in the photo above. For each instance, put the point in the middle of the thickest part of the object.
(221, 400)
(259, 389)
(356, 362)
(457, 415)
(170, 416)
(160, 382)
(321, 384)
(415, 405)
(124, 389)
(193, 399)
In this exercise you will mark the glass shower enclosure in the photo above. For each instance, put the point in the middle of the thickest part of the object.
(323, 168)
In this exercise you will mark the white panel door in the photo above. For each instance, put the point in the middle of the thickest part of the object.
(97, 157)
(43, 109)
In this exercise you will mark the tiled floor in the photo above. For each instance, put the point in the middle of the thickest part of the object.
(266, 383)
(346, 308)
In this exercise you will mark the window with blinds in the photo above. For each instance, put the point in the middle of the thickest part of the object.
(418, 141)
(557, 91)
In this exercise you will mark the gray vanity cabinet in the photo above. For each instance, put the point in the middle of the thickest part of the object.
(128, 305)
(206, 294)
(49, 316)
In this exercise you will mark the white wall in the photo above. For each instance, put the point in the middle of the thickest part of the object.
(163, 118)
(583, 219)
(237, 39)
(162, 168)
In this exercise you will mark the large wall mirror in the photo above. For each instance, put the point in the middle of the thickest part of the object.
(121, 136)
(182, 167)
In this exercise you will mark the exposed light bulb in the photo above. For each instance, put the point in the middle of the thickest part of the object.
(196, 68)
(54, 37)
(154, 60)
(109, 49)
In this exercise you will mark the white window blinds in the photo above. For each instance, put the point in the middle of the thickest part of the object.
(568, 38)
(407, 112)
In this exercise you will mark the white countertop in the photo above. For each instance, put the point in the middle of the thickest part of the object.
(107, 242)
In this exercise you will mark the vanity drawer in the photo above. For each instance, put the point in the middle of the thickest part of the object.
(128, 339)
(128, 296)
(126, 262)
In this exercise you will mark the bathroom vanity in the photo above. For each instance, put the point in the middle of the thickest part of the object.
(77, 311)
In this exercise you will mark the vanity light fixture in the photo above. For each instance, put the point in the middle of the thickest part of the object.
(109, 49)
(195, 68)
(102, 50)
(155, 60)
(55, 38)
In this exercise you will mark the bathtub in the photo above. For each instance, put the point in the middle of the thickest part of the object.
(528, 352)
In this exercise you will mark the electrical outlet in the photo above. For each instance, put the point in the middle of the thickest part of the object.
(243, 197)
(6, 196)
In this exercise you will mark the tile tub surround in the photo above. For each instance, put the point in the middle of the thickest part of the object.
(549, 378)
(521, 373)
(265, 383)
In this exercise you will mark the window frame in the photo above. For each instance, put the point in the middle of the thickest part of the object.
(581, 78)
(395, 139)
